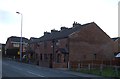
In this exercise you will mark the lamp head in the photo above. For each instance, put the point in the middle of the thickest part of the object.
(18, 12)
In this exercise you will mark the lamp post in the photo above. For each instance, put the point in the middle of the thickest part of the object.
(21, 36)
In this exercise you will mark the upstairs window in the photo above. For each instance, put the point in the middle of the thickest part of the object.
(58, 58)
(15, 45)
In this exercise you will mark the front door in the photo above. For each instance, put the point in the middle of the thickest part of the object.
(50, 61)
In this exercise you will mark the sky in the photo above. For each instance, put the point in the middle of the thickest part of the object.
(44, 15)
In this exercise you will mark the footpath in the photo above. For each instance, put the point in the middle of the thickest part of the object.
(63, 70)
(77, 73)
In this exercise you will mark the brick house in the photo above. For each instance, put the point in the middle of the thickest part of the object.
(116, 44)
(116, 49)
(90, 43)
(52, 49)
(31, 47)
(59, 49)
(13, 46)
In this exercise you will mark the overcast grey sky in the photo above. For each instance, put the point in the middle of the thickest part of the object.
(44, 15)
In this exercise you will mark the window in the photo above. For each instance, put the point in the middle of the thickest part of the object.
(95, 56)
(51, 57)
(58, 58)
(45, 57)
(66, 45)
(15, 45)
(36, 56)
(41, 57)
(65, 58)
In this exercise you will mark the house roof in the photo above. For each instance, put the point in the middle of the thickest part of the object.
(33, 39)
(59, 34)
(118, 55)
(115, 38)
(17, 39)
(63, 33)
(63, 50)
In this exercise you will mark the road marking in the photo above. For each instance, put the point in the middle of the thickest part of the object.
(5, 63)
(35, 74)
(28, 71)
(13, 66)
(16, 68)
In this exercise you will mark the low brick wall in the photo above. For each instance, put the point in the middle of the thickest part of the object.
(59, 65)
(94, 63)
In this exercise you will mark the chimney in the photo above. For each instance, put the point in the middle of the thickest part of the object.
(76, 24)
(53, 31)
(63, 28)
(45, 33)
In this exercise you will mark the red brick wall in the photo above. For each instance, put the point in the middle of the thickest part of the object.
(42, 49)
(9, 44)
(48, 49)
(59, 65)
(63, 43)
(117, 46)
(87, 42)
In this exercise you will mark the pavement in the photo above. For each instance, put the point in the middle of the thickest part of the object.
(77, 73)
(17, 69)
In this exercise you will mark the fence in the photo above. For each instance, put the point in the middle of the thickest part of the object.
(94, 63)
(100, 67)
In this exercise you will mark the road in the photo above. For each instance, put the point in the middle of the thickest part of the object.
(12, 68)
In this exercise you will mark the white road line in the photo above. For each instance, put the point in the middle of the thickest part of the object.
(35, 74)
(16, 68)
(13, 66)
(5, 63)
(28, 71)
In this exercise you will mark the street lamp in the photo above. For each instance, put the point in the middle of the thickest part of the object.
(21, 36)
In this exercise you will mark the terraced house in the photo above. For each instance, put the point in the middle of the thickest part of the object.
(52, 49)
(69, 46)
(13, 46)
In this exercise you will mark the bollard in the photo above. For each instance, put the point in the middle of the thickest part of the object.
(116, 71)
(89, 67)
(68, 66)
(101, 68)
(78, 67)
(14, 57)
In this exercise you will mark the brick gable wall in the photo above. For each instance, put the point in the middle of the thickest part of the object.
(90, 43)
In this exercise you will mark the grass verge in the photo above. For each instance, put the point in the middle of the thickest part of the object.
(106, 72)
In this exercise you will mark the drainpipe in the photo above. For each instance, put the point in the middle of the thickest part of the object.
(53, 41)
(68, 63)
